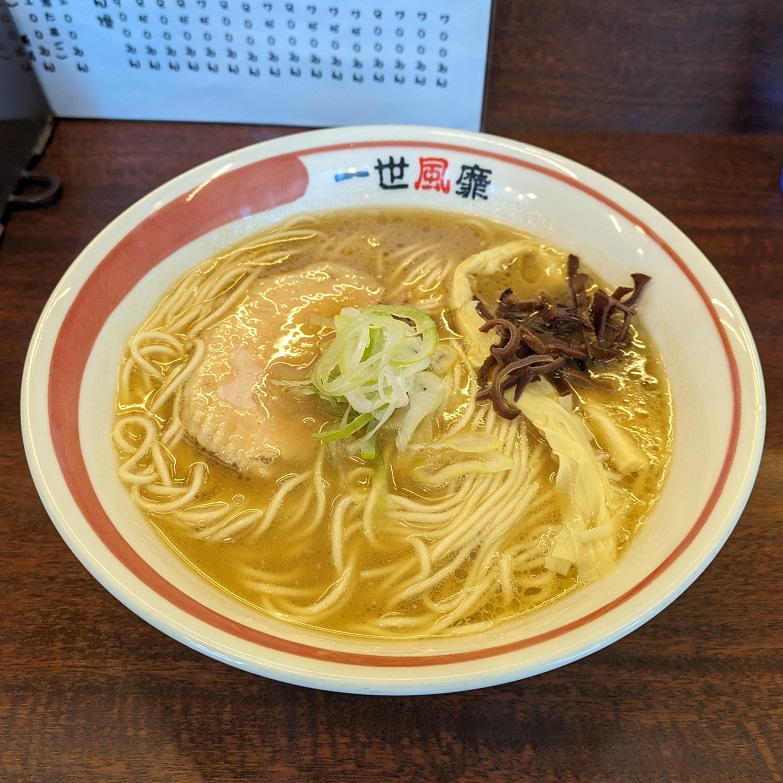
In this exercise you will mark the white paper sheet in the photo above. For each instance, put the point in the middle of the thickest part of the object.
(302, 62)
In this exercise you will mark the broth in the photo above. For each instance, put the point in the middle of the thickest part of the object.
(216, 417)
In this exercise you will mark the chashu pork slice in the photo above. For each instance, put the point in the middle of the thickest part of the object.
(234, 405)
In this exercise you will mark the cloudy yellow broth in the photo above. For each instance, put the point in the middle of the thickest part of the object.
(292, 564)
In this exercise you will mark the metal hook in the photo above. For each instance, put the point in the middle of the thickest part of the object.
(46, 195)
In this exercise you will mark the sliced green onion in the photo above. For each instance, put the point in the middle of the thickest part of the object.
(348, 429)
(376, 364)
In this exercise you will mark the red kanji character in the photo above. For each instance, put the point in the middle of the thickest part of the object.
(433, 175)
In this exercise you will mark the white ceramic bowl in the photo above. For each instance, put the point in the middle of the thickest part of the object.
(70, 383)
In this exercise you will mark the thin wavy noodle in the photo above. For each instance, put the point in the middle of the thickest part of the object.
(450, 537)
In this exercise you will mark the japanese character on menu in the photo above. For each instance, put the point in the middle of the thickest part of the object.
(314, 61)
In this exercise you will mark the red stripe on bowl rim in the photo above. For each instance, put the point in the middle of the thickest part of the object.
(269, 183)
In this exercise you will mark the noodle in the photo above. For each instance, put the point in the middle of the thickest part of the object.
(453, 534)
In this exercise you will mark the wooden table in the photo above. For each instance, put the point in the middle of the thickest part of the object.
(90, 692)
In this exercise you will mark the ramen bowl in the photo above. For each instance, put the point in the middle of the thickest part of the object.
(70, 386)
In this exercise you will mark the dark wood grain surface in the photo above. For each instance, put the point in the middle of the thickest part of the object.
(702, 66)
(90, 692)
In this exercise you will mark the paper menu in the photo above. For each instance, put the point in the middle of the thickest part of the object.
(285, 62)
